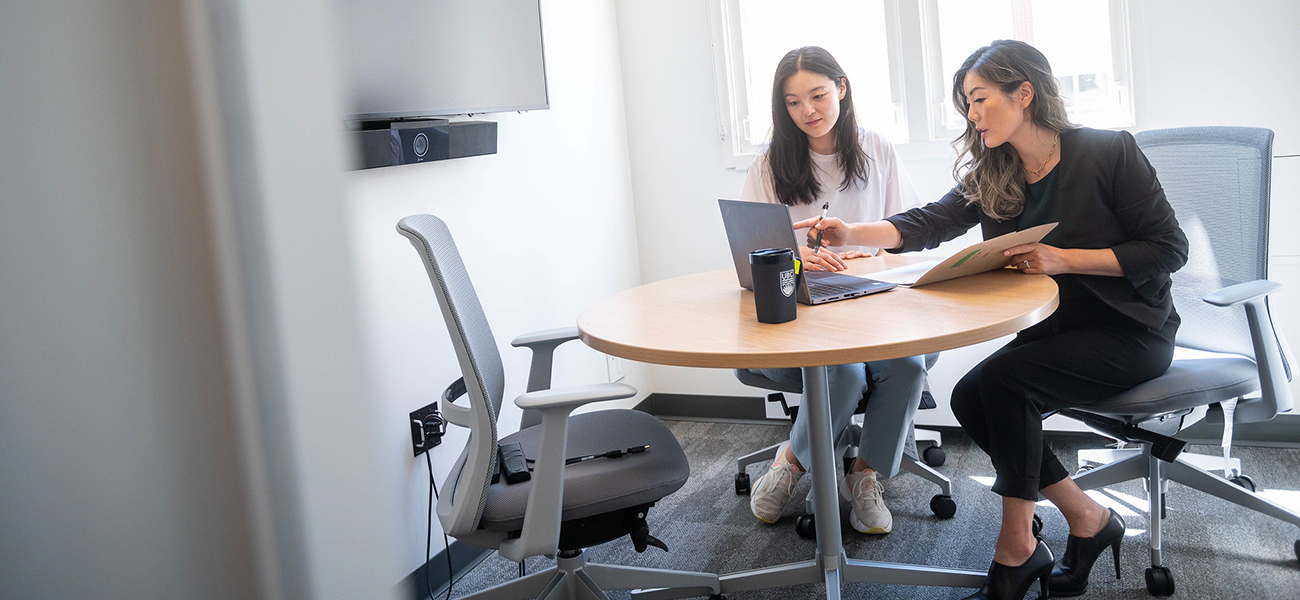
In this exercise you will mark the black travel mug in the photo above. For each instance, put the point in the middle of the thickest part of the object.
(775, 274)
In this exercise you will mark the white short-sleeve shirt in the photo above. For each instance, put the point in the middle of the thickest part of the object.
(888, 189)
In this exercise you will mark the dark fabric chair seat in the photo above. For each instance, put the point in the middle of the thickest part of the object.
(1187, 384)
(601, 485)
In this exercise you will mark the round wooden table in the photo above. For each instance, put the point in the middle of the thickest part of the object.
(707, 320)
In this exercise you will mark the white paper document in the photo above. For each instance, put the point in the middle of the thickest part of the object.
(984, 256)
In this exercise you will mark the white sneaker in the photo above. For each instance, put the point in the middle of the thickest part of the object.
(774, 488)
(869, 513)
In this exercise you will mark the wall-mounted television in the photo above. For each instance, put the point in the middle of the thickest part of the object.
(407, 59)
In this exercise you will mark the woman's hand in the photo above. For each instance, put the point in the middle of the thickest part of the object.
(834, 231)
(1036, 259)
(852, 254)
(821, 261)
(1039, 259)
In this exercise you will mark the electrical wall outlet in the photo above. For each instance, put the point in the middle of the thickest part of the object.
(615, 365)
(426, 428)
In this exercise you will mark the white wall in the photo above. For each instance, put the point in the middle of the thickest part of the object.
(275, 156)
(120, 471)
(545, 227)
(1196, 63)
(183, 408)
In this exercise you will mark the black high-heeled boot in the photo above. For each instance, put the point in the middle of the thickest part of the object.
(1070, 577)
(1012, 583)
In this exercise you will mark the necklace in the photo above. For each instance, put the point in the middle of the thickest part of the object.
(1035, 172)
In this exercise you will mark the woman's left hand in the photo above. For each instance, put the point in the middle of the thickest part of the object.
(852, 254)
(1038, 259)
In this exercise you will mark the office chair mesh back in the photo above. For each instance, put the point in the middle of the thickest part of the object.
(480, 360)
(1217, 179)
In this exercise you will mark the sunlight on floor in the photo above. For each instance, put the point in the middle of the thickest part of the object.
(1109, 502)
(1287, 498)
(1129, 506)
(1139, 504)
(1124, 504)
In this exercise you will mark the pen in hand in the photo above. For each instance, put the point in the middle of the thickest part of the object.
(817, 248)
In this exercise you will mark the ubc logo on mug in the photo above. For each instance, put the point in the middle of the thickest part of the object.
(787, 282)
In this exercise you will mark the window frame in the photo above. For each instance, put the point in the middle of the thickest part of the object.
(912, 27)
(729, 73)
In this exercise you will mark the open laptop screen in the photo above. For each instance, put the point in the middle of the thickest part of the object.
(752, 226)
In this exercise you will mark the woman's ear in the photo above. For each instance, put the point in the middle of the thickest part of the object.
(844, 87)
(1026, 93)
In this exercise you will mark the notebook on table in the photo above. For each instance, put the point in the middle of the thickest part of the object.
(981, 257)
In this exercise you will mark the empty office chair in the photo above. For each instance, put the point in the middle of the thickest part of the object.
(562, 508)
(1217, 179)
(846, 446)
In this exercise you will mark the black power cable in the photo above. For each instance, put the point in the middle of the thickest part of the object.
(428, 537)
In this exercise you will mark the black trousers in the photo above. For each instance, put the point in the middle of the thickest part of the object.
(1075, 357)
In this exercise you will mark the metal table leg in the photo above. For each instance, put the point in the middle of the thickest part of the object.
(825, 498)
(830, 565)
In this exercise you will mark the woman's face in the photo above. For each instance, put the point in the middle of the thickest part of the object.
(813, 101)
(999, 117)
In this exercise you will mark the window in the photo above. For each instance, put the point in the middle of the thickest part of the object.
(1089, 56)
(900, 56)
(757, 33)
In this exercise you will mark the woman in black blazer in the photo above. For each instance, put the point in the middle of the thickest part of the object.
(1024, 164)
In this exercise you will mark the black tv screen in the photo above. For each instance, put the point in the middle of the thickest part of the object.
(422, 58)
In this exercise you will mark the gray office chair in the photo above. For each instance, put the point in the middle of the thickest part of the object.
(1217, 179)
(562, 508)
(846, 446)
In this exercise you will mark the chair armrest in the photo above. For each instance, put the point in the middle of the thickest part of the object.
(573, 397)
(541, 530)
(1242, 292)
(543, 345)
(1272, 355)
(552, 337)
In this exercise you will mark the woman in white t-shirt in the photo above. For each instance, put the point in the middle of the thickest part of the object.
(819, 155)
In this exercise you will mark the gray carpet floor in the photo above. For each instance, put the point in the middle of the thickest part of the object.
(1214, 549)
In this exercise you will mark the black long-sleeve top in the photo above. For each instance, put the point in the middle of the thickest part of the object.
(1109, 198)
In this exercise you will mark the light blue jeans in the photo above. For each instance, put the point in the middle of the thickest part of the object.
(888, 417)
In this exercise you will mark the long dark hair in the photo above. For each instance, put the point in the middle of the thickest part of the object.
(993, 177)
(792, 171)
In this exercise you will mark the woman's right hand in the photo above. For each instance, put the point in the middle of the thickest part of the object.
(834, 231)
(821, 261)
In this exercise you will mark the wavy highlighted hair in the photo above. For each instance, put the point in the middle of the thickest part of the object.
(993, 177)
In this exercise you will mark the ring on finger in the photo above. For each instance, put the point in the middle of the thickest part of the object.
(1025, 262)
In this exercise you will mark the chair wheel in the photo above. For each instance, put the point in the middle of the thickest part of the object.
(943, 506)
(934, 456)
(1160, 582)
(1037, 527)
(1244, 481)
(806, 527)
(1084, 468)
(742, 484)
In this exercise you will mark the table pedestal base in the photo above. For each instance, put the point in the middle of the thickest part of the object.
(830, 565)
(846, 570)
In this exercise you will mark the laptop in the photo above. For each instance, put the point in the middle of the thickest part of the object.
(756, 225)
